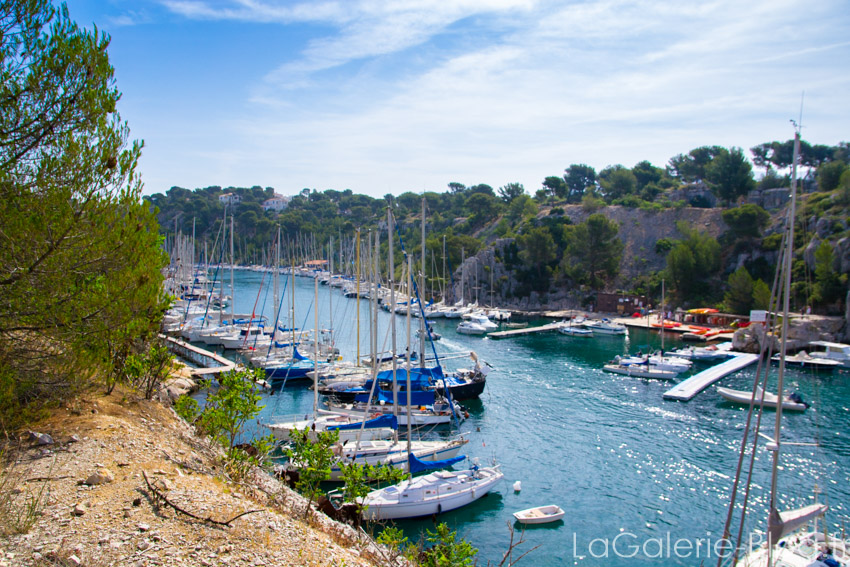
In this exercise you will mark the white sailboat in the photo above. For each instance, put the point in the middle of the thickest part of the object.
(434, 493)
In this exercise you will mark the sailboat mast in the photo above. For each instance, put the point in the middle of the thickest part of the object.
(786, 309)
(276, 280)
(421, 296)
(315, 346)
(357, 280)
(232, 287)
(330, 295)
(407, 384)
(391, 283)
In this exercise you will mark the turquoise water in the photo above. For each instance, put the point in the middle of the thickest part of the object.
(607, 448)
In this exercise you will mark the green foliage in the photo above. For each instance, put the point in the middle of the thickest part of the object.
(511, 191)
(555, 186)
(187, 408)
(591, 203)
(537, 248)
(617, 182)
(664, 245)
(747, 220)
(239, 462)
(594, 251)
(829, 286)
(146, 371)
(80, 261)
(521, 208)
(692, 166)
(829, 175)
(740, 296)
(771, 242)
(394, 538)
(730, 175)
(692, 263)
(446, 550)
(761, 295)
(20, 505)
(356, 478)
(313, 460)
(772, 180)
(229, 408)
(579, 179)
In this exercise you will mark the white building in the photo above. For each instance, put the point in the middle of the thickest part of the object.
(277, 203)
(229, 198)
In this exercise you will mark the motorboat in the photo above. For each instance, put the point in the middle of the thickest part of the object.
(657, 361)
(574, 330)
(792, 402)
(701, 354)
(606, 327)
(639, 371)
(832, 351)
(805, 360)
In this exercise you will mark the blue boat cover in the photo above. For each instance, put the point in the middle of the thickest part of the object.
(417, 398)
(418, 466)
(383, 421)
(420, 378)
(297, 355)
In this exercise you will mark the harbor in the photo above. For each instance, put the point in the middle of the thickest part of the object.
(588, 441)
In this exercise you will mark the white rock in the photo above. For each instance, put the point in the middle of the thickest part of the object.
(102, 476)
(74, 560)
(79, 509)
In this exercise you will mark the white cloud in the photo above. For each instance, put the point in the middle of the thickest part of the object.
(539, 86)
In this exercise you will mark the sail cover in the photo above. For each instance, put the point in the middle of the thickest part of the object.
(383, 421)
(416, 398)
(418, 466)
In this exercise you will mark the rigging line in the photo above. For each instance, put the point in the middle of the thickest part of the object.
(277, 319)
(209, 298)
(292, 361)
(773, 311)
(744, 439)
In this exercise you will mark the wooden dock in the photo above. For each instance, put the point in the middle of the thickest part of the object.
(525, 331)
(213, 363)
(685, 391)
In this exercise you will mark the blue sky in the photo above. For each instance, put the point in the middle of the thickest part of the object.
(409, 95)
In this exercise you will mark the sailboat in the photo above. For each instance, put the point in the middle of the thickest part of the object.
(433, 493)
(789, 542)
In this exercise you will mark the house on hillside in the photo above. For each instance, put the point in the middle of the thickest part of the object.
(229, 198)
(276, 203)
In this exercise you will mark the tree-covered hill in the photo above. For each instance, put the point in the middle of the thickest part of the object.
(703, 217)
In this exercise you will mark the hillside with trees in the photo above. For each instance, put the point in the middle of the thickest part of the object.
(708, 222)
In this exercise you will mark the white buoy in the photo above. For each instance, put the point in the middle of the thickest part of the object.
(517, 486)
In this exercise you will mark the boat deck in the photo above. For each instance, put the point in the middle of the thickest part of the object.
(686, 390)
(526, 331)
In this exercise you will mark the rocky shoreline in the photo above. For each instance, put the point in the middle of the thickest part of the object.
(88, 464)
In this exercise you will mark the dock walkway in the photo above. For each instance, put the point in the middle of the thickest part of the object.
(685, 391)
(213, 363)
(525, 331)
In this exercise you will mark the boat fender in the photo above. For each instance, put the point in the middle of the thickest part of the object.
(466, 415)
(473, 493)
(439, 508)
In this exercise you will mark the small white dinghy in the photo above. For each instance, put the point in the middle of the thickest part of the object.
(540, 515)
